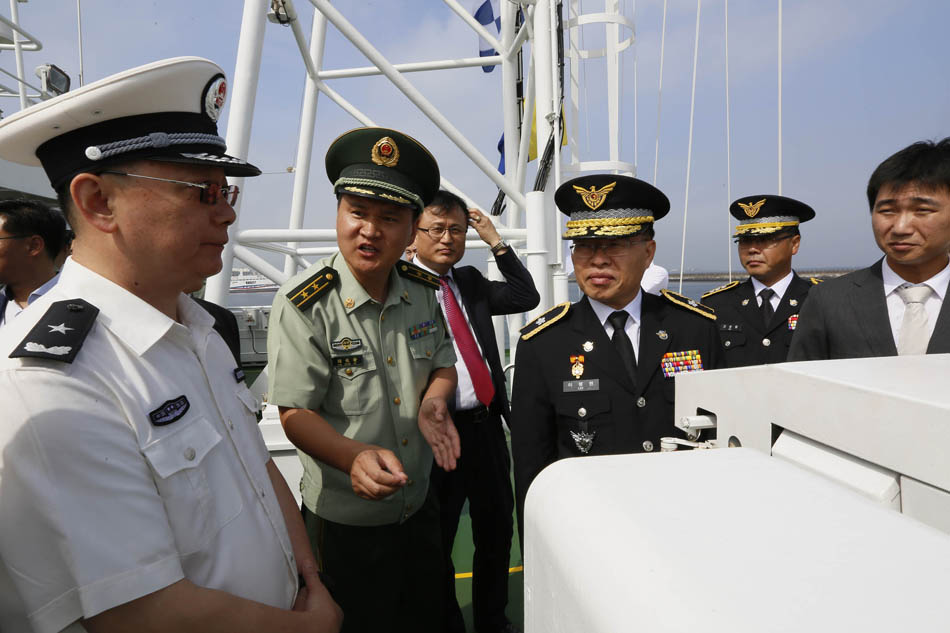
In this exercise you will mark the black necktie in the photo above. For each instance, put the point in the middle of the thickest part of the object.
(767, 311)
(622, 343)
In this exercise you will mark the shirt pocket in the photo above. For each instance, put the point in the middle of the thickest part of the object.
(586, 413)
(731, 339)
(183, 462)
(360, 390)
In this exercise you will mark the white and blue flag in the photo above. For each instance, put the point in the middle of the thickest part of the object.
(487, 12)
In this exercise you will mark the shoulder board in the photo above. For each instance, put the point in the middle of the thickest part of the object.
(60, 333)
(413, 272)
(689, 304)
(815, 281)
(721, 288)
(545, 320)
(313, 288)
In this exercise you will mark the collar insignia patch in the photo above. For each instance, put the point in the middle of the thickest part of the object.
(238, 374)
(170, 411)
(594, 197)
(346, 344)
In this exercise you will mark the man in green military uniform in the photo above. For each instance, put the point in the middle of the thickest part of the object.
(361, 366)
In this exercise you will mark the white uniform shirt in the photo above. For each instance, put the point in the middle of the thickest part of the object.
(896, 305)
(778, 288)
(632, 327)
(99, 505)
(465, 397)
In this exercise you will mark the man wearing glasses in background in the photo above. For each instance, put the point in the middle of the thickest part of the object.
(136, 492)
(468, 302)
(32, 237)
(596, 377)
(757, 317)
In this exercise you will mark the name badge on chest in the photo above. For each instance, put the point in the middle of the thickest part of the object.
(571, 386)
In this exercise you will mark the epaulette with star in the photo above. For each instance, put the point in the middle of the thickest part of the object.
(815, 281)
(547, 319)
(313, 288)
(689, 304)
(413, 272)
(721, 289)
(60, 333)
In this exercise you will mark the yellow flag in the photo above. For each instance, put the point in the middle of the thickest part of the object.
(533, 142)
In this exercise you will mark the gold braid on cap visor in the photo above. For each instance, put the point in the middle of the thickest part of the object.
(606, 227)
(762, 228)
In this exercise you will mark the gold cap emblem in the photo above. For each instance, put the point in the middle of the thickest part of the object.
(385, 152)
(594, 197)
(752, 209)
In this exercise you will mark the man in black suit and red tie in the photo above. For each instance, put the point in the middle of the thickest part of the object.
(469, 300)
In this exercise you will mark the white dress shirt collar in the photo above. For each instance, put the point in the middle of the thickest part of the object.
(892, 281)
(778, 287)
(603, 311)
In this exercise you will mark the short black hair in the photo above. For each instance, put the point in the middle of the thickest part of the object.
(31, 217)
(925, 163)
(448, 201)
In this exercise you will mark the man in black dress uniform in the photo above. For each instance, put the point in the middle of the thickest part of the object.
(757, 317)
(596, 377)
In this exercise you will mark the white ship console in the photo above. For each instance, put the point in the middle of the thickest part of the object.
(842, 525)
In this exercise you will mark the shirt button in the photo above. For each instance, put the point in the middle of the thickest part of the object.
(766, 342)
(405, 441)
(190, 453)
(641, 402)
(349, 372)
(382, 317)
(396, 400)
(389, 360)
(405, 516)
(429, 353)
(648, 446)
(582, 412)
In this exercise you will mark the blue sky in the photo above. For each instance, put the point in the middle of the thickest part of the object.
(861, 80)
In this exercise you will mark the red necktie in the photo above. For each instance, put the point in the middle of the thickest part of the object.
(477, 369)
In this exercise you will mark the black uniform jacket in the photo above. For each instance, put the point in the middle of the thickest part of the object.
(484, 298)
(624, 418)
(746, 339)
(847, 318)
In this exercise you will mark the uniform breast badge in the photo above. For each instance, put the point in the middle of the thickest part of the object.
(346, 344)
(745, 302)
(792, 321)
(583, 440)
(793, 302)
(588, 346)
(662, 335)
(674, 363)
(577, 366)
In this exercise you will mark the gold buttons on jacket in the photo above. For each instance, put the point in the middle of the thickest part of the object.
(396, 400)
(405, 441)
(641, 402)
(389, 359)
(766, 342)
(349, 372)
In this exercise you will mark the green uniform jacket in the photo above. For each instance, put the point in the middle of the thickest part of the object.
(363, 366)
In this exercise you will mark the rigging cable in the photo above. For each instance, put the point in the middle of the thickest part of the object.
(659, 95)
(728, 153)
(689, 152)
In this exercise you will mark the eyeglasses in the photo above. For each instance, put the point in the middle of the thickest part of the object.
(211, 192)
(585, 250)
(436, 232)
(761, 242)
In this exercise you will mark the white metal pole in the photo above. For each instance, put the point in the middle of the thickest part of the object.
(728, 151)
(509, 98)
(18, 54)
(364, 46)
(537, 254)
(779, 97)
(79, 28)
(246, 71)
(543, 90)
(689, 151)
(659, 96)
(613, 83)
(308, 117)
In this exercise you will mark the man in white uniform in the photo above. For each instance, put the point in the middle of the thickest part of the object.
(135, 489)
